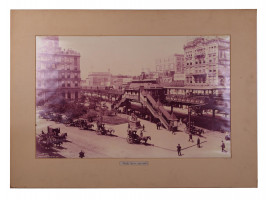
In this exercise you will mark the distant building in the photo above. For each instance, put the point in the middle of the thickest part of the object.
(173, 63)
(207, 62)
(146, 83)
(99, 79)
(57, 71)
(83, 83)
(120, 81)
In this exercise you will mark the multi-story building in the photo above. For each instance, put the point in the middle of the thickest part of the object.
(119, 82)
(99, 79)
(174, 63)
(207, 62)
(57, 71)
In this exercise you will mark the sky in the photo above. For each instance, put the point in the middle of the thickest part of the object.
(126, 55)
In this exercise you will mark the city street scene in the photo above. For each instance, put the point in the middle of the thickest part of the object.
(133, 97)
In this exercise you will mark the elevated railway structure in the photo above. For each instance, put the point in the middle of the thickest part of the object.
(168, 104)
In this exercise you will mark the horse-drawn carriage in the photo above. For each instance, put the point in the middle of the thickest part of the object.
(193, 129)
(102, 130)
(74, 123)
(52, 137)
(134, 123)
(134, 138)
(84, 125)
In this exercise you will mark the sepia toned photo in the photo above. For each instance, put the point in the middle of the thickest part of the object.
(133, 97)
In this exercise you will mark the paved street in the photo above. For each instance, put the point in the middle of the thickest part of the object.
(162, 144)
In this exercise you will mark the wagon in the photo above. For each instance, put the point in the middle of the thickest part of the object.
(86, 126)
(75, 123)
(228, 136)
(193, 130)
(134, 138)
(51, 138)
(101, 130)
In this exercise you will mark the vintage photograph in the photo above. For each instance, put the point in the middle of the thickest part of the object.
(133, 97)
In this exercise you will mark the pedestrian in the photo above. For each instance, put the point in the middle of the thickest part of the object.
(141, 134)
(198, 142)
(157, 126)
(190, 137)
(222, 146)
(81, 154)
(179, 150)
(143, 127)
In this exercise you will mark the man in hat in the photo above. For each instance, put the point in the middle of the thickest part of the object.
(179, 150)
(222, 146)
(198, 142)
(190, 137)
(81, 154)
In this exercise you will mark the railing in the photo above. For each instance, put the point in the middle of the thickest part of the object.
(153, 108)
(123, 98)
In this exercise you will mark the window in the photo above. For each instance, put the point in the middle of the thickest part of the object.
(69, 95)
(63, 95)
(68, 84)
(63, 83)
(68, 75)
(76, 83)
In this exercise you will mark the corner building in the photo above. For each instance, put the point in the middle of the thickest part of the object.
(173, 63)
(57, 71)
(207, 62)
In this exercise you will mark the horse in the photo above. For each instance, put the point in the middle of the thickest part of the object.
(200, 132)
(110, 130)
(63, 136)
(145, 139)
